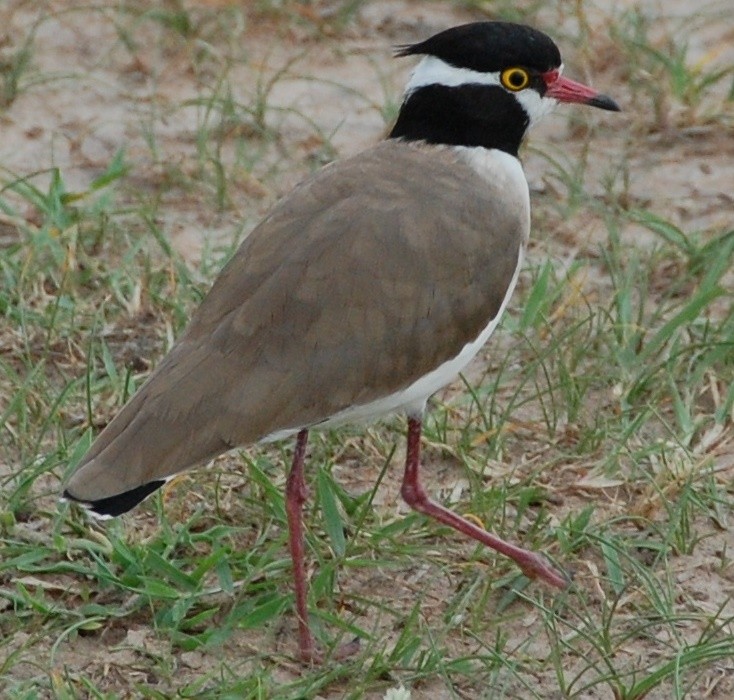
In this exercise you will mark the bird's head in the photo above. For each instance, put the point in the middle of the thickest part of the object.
(484, 84)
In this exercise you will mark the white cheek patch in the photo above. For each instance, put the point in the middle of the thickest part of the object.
(535, 106)
(434, 71)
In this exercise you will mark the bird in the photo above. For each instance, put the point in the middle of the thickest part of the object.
(364, 290)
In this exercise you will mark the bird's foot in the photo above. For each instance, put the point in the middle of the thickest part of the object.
(537, 566)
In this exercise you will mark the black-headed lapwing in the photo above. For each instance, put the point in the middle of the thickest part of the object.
(363, 291)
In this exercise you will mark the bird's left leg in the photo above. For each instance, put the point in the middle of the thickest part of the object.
(533, 565)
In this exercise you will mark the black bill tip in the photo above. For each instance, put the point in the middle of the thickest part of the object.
(604, 102)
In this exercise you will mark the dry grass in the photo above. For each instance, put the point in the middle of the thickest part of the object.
(141, 143)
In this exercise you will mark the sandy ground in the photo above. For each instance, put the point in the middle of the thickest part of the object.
(89, 96)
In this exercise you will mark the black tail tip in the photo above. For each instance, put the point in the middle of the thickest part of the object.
(112, 506)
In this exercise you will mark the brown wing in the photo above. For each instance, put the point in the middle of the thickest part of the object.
(366, 277)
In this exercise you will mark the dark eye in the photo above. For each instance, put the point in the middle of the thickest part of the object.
(515, 78)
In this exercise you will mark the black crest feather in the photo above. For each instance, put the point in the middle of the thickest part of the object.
(488, 47)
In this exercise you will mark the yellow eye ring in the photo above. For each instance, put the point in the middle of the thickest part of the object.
(515, 78)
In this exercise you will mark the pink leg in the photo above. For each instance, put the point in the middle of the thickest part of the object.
(532, 565)
(296, 494)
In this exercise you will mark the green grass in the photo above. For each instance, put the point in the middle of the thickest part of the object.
(597, 428)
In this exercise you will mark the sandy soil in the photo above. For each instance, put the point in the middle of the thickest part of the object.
(89, 96)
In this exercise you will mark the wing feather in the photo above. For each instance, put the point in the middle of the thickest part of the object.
(366, 277)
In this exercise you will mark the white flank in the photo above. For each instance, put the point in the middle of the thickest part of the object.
(412, 400)
(505, 173)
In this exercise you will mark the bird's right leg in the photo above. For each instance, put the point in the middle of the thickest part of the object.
(296, 494)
